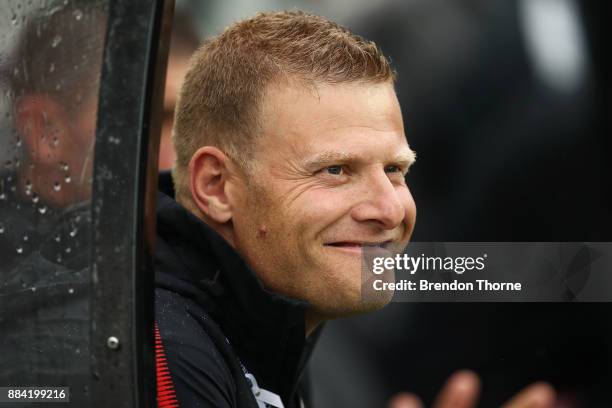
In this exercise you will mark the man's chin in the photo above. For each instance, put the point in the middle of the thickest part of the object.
(370, 305)
(353, 306)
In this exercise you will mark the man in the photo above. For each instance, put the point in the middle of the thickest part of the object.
(291, 159)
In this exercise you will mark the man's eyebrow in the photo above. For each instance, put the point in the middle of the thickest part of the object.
(405, 158)
(329, 157)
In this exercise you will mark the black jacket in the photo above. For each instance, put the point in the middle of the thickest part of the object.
(44, 296)
(215, 322)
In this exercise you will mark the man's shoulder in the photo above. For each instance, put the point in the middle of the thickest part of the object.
(193, 367)
(182, 318)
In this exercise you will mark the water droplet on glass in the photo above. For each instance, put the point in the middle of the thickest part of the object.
(57, 186)
(57, 238)
(56, 141)
(18, 143)
(2, 196)
(19, 250)
(64, 166)
(25, 238)
(42, 209)
(78, 350)
(67, 179)
(1, 229)
(73, 233)
(71, 291)
(78, 14)
(33, 288)
(35, 198)
(56, 40)
(52, 67)
(14, 19)
(68, 250)
(58, 259)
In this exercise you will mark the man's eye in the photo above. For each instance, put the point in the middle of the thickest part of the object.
(393, 169)
(335, 170)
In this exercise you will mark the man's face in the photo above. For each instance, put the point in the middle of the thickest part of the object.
(328, 179)
(60, 147)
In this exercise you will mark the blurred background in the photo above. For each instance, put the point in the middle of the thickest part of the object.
(507, 105)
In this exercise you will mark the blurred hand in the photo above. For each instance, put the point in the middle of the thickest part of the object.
(462, 390)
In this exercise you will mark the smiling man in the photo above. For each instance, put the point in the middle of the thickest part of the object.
(327, 179)
(291, 158)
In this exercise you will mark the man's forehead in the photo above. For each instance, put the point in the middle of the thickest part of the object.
(307, 120)
(320, 104)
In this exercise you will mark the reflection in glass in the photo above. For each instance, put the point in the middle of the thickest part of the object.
(50, 62)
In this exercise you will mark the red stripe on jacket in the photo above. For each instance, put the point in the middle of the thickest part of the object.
(166, 395)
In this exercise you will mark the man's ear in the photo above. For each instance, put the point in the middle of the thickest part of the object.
(208, 176)
(41, 122)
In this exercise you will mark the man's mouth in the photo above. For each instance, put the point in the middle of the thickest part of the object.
(358, 246)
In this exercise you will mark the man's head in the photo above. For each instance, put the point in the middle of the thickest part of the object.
(55, 82)
(290, 144)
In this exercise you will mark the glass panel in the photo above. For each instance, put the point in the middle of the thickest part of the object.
(50, 63)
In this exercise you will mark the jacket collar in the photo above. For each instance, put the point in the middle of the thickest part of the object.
(266, 330)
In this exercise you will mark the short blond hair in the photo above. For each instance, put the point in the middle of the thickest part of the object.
(221, 96)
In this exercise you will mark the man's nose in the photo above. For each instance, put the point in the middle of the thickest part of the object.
(380, 203)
